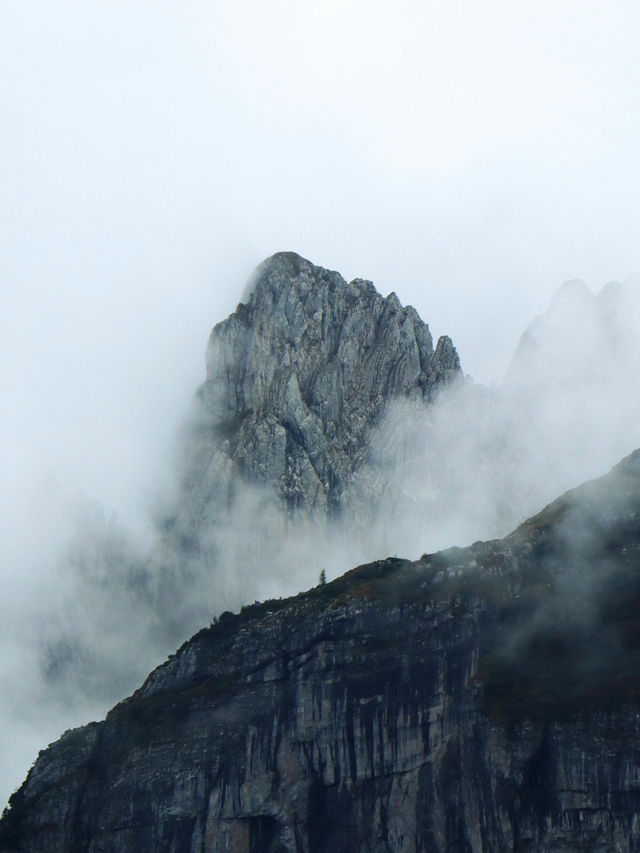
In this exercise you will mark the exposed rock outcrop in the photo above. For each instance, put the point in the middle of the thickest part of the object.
(479, 699)
(295, 379)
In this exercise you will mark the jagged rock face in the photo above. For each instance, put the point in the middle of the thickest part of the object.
(480, 699)
(297, 376)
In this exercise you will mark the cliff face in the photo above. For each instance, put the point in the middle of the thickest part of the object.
(297, 376)
(479, 699)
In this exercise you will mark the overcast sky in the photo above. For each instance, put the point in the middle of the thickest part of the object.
(470, 156)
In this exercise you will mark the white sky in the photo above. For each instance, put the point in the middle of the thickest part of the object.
(470, 156)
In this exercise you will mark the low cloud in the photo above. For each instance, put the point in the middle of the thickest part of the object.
(102, 605)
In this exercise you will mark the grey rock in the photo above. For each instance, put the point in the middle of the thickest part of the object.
(478, 699)
(296, 378)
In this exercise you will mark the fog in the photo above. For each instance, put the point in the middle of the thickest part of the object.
(469, 158)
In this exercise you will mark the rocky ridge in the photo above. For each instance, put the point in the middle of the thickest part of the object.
(478, 699)
(576, 341)
(295, 379)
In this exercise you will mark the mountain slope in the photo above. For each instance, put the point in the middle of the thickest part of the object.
(478, 699)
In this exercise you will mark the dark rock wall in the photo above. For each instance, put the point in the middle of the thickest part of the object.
(394, 709)
(343, 741)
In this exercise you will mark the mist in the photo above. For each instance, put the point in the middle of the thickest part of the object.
(471, 465)
(471, 160)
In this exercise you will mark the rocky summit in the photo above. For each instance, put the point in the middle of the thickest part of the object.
(477, 699)
(296, 378)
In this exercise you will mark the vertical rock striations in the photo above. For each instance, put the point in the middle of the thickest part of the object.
(298, 375)
(479, 699)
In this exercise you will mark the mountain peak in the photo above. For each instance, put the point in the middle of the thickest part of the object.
(571, 293)
(301, 371)
(573, 341)
(287, 269)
